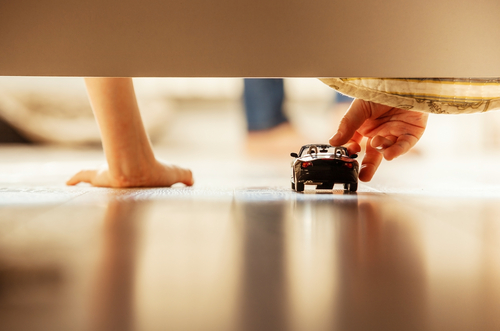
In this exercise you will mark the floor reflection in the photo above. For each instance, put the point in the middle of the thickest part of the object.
(28, 286)
(260, 259)
(381, 272)
(313, 231)
(329, 263)
(489, 290)
(113, 299)
(189, 268)
(263, 304)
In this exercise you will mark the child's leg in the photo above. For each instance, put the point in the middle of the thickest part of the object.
(128, 151)
(263, 99)
(268, 127)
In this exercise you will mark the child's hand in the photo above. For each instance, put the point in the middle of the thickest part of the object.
(391, 132)
(160, 174)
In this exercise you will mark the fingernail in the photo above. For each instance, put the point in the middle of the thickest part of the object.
(337, 136)
(378, 147)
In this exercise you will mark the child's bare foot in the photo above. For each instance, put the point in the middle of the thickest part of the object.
(159, 175)
(281, 139)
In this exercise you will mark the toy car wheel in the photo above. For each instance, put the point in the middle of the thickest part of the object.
(293, 186)
(353, 187)
(299, 187)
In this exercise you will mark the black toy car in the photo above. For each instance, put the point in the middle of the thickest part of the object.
(324, 165)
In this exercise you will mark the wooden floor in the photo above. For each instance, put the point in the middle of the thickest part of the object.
(416, 249)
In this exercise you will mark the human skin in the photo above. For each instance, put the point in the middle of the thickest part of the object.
(130, 157)
(391, 132)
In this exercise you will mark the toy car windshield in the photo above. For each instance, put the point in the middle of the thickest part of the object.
(317, 149)
(337, 151)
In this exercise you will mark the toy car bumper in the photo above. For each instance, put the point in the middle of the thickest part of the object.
(338, 177)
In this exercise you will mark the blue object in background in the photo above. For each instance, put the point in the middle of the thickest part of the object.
(263, 99)
(342, 98)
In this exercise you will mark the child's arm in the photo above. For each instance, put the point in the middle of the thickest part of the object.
(131, 161)
(391, 132)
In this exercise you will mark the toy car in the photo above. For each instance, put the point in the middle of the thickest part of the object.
(324, 165)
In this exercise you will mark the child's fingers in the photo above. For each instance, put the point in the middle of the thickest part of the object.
(186, 177)
(353, 145)
(356, 115)
(370, 163)
(83, 176)
(175, 174)
(400, 147)
(380, 143)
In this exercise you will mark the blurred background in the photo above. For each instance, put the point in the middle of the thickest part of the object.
(209, 112)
